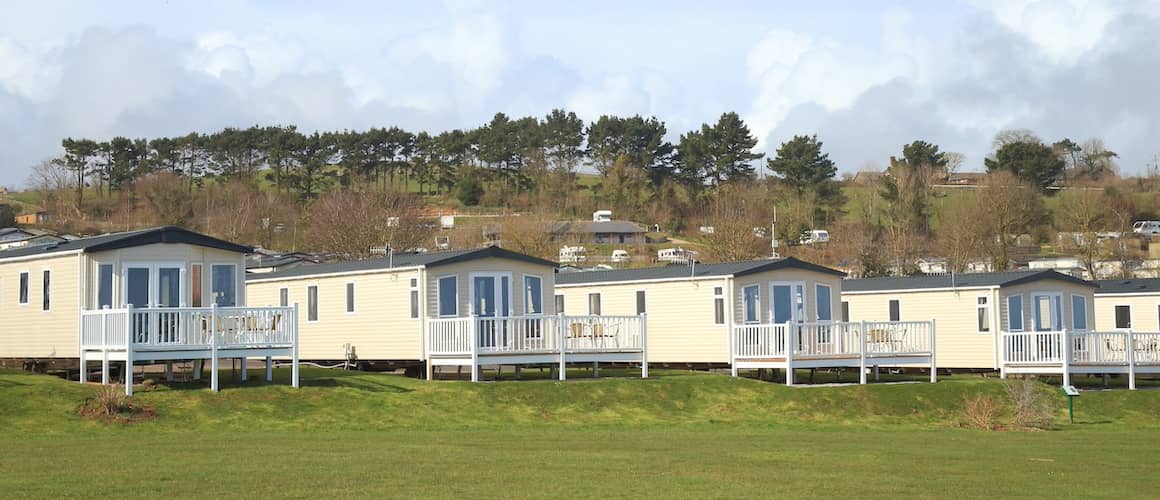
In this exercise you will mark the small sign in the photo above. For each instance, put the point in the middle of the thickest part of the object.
(1070, 390)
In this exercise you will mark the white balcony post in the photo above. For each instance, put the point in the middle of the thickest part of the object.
(128, 375)
(563, 349)
(1066, 353)
(862, 355)
(474, 330)
(789, 347)
(644, 346)
(269, 369)
(1131, 360)
(1004, 340)
(294, 369)
(213, 355)
(933, 363)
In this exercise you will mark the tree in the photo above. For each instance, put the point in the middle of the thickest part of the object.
(165, 197)
(962, 233)
(563, 135)
(1097, 161)
(1008, 207)
(78, 157)
(733, 240)
(312, 154)
(352, 224)
(7, 216)
(717, 153)
(468, 187)
(641, 143)
(528, 234)
(1029, 161)
(803, 167)
(907, 187)
(1084, 214)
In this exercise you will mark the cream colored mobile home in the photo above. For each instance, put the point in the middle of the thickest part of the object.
(974, 312)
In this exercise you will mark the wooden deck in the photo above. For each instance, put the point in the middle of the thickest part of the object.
(834, 345)
(536, 340)
(1066, 353)
(165, 334)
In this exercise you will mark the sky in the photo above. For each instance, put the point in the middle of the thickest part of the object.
(866, 76)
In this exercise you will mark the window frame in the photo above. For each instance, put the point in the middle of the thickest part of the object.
(414, 299)
(719, 305)
(558, 301)
(1086, 317)
(845, 311)
(101, 283)
(983, 327)
(234, 282)
(197, 285)
(351, 295)
(1022, 317)
(312, 303)
(284, 297)
(527, 300)
(756, 318)
(894, 305)
(23, 284)
(599, 304)
(818, 302)
(46, 290)
(640, 297)
(795, 315)
(439, 296)
(1116, 316)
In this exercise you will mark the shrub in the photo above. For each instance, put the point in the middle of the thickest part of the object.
(981, 411)
(111, 401)
(1030, 408)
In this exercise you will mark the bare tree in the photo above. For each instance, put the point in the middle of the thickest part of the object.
(165, 198)
(352, 224)
(1084, 214)
(733, 240)
(961, 235)
(1009, 207)
(528, 234)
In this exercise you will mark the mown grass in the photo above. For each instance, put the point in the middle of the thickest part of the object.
(679, 434)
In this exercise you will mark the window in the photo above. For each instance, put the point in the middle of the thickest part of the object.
(750, 298)
(223, 284)
(983, 308)
(284, 297)
(1123, 317)
(24, 288)
(845, 311)
(594, 303)
(350, 297)
(1079, 312)
(1015, 313)
(45, 304)
(718, 305)
(312, 303)
(640, 302)
(533, 295)
(104, 286)
(895, 310)
(195, 285)
(825, 303)
(559, 303)
(448, 296)
(414, 298)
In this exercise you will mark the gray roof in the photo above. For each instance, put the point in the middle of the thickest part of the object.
(1142, 285)
(113, 241)
(999, 279)
(574, 227)
(684, 271)
(432, 259)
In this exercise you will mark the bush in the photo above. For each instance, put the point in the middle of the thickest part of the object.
(981, 411)
(1029, 406)
(111, 401)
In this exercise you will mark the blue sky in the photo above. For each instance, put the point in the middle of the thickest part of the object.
(866, 77)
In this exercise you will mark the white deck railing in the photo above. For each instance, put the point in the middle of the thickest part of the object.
(833, 339)
(534, 334)
(1081, 348)
(172, 328)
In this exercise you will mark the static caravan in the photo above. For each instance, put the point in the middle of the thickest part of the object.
(1132, 304)
(975, 312)
(487, 306)
(154, 295)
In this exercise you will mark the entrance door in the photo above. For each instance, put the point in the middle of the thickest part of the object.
(1048, 312)
(137, 295)
(788, 302)
(491, 298)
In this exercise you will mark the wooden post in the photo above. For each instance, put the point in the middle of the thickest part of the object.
(862, 355)
(169, 371)
(269, 369)
(1131, 360)
(213, 356)
(294, 371)
(644, 346)
(563, 349)
(595, 369)
(789, 346)
(244, 360)
(933, 364)
(474, 327)
(128, 375)
(1066, 353)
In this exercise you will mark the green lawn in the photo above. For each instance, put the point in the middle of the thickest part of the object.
(679, 434)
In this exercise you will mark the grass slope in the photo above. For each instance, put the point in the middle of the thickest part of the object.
(679, 434)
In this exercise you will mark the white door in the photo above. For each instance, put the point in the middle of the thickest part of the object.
(491, 301)
(787, 302)
(1047, 311)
